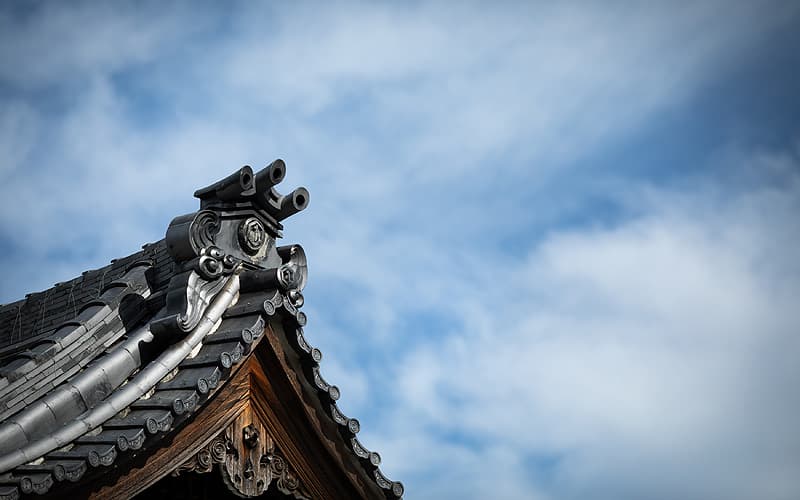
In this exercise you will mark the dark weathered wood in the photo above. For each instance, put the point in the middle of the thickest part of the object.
(283, 363)
(247, 458)
(276, 403)
(325, 471)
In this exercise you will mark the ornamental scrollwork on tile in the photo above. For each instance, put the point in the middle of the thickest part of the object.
(234, 230)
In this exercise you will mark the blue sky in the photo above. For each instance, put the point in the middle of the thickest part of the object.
(552, 247)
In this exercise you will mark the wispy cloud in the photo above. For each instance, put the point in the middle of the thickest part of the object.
(514, 301)
(652, 359)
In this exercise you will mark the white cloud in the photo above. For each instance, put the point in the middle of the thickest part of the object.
(52, 43)
(655, 356)
(650, 356)
(438, 92)
(459, 85)
(19, 125)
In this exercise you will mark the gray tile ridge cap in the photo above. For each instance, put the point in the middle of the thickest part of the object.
(144, 380)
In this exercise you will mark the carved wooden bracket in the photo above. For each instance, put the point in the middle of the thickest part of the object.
(247, 458)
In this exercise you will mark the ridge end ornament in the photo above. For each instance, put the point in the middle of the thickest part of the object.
(235, 229)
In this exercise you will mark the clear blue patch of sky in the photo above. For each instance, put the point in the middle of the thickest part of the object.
(339, 300)
(51, 101)
(463, 438)
(145, 106)
(77, 255)
(10, 251)
(752, 105)
(427, 324)
(543, 466)
(22, 11)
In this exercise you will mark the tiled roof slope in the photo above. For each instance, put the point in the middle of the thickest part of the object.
(110, 362)
(39, 314)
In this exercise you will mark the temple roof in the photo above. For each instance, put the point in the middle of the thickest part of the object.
(102, 371)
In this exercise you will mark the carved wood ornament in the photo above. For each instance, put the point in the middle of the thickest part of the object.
(247, 458)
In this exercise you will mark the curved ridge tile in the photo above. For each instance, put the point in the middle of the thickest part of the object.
(75, 396)
(120, 399)
(146, 418)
